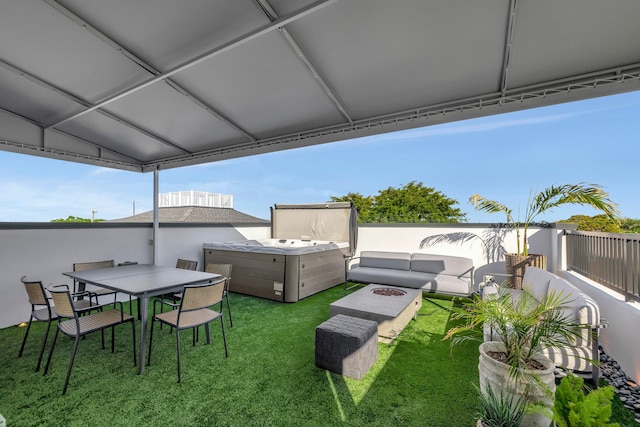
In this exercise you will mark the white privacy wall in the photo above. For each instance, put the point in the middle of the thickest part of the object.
(44, 254)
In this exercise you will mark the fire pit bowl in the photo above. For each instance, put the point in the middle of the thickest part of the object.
(389, 292)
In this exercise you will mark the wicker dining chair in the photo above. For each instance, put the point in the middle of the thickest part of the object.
(41, 310)
(184, 264)
(73, 325)
(193, 310)
(223, 270)
(172, 298)
(81, 286)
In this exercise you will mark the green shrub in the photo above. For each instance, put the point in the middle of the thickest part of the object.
(574, 408)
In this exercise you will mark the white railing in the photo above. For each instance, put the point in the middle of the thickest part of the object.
(195, 198)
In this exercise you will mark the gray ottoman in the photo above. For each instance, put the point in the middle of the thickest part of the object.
(347, 345)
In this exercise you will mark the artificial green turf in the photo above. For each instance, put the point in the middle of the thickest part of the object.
(269, 379)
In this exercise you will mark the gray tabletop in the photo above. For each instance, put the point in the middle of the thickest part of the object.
(141, 279)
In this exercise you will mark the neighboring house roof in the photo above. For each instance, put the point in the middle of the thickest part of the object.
(193, 214)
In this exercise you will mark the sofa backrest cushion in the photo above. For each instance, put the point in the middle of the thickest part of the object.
(536, 281)
(380, 259)
(441, 264)
(581, 308)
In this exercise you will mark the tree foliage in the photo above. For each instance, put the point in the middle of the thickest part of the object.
(594, 223)
(363, 204)
(412, 203)
(604, 224)
(72, 218)
(630, 225)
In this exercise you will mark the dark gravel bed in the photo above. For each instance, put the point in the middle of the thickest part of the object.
(626, 389)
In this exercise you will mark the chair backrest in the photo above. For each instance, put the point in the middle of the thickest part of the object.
(186, 264)
(35, 291)
(196, 297)
(63, 302)
(82, 266)
(223, 270)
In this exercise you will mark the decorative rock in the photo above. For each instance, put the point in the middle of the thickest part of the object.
(613, 375)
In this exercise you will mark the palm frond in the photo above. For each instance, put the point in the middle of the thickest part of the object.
(490, 206)
(579, 194)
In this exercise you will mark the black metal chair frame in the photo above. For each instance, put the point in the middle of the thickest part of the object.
(75, 326)
(175, 297)
(38, 298)
(226, 288)
(183, 308)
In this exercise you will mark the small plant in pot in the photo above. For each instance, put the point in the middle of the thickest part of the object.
(498, 410)
(546, 200)
(520, 328)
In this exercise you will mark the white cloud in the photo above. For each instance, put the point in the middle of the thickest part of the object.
(475, 127)
(102, 170)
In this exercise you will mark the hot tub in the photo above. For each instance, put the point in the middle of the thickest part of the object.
(290, 267)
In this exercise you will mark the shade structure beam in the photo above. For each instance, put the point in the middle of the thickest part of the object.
(238, 41)
(504, 81)
(148, 68)
(270, 12)
(42, 147)
(431, 113)
(84, 103)
(209, 109)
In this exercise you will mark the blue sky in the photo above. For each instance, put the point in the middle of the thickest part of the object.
(500, 157)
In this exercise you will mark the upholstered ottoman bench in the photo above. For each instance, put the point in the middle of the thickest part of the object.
(347, 345)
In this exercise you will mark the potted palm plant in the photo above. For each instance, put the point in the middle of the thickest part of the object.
(551, 197)
(513, 365)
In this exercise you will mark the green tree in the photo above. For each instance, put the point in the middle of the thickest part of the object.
(363, 204)
(594, 223)
(412, 203)
(630, 225)
(604, 224)
(72, 218)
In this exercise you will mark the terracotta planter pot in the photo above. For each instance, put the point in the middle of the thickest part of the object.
(496, 375)
(516, 265)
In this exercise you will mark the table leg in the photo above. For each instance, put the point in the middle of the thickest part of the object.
(144, 313)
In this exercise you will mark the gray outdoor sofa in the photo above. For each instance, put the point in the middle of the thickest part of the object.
(441, 274)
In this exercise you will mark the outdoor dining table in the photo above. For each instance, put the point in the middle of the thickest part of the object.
(142, 281)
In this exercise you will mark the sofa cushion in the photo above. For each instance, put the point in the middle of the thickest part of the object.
(379, 259)
(581, 309)
(536, 281)
(449, 285)
(441, 264)
(383, 276)
(572, 358)
(411, 279)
